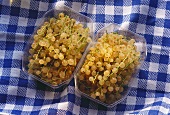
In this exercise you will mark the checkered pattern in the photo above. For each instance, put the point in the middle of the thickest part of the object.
(150, 93)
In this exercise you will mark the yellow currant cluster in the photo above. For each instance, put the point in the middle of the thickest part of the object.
(57, 48)
(108, 67)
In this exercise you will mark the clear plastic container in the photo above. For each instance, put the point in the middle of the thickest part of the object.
(85, 21)
(141, 47)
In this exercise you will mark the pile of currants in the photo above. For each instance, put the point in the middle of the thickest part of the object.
(108, 67)
(57, 48)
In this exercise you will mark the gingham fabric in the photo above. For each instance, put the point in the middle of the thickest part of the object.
(150, 93)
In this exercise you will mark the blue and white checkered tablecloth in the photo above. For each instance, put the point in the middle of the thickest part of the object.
(150, 94)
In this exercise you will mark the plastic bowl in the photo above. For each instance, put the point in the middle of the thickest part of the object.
(85, 21)
(141, 47)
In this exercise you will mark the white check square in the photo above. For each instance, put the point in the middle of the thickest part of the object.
(17, 55)
(149, 101)
(127, 10)
(76, 109)
(131, 100)
(49, 95)
(2, 52)
(158, 31)
(167, 87)
(43, 6)
(92, 111)
(109, 10)
(63, 106)
(156, 49)
(4, 19)
(25, 4)
(45, 107)
(31, 93)
(160, 13)
(9, 106)
(27, 108)
(153, 67)
(15, 72)
(76, 6)
(151, 84)
(164, 110)
(91, 9)
(22, 21)
(141, 28)
(144, 9)
(12, 90)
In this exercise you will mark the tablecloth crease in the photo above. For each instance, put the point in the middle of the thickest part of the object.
(150, 93)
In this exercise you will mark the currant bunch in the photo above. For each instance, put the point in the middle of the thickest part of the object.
(57, 48)
(108, 67)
